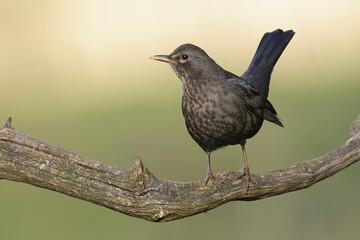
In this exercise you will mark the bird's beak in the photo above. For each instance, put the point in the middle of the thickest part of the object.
(163, 58)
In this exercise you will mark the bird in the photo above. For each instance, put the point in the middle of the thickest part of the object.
(221, 108)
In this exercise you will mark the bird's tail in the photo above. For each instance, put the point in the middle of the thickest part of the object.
(267, 54)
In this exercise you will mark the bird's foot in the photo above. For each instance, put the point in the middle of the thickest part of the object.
(214, 180)
(246, 172)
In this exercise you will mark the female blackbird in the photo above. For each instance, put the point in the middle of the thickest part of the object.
(220, 108)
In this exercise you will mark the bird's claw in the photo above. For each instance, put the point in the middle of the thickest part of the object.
(245, 172)
(214, 180)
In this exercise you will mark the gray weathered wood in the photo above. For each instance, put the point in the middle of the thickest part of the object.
(138, 193)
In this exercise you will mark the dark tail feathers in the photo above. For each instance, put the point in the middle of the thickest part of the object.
(267, 54)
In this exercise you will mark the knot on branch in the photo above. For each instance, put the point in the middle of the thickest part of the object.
(8, 123)
(138, 167)
(142, 176)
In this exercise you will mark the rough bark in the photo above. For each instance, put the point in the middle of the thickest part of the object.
(138, 193)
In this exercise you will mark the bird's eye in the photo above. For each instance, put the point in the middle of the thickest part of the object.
(184, 56)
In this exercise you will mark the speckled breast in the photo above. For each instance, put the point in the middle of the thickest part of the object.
(216, 118)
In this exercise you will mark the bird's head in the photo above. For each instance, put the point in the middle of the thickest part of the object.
(189, 61)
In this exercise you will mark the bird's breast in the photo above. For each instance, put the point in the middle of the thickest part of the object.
(215, 117)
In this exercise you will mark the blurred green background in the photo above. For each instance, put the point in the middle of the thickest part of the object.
(77, 74)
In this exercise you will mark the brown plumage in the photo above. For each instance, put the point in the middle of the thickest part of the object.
(220, 108)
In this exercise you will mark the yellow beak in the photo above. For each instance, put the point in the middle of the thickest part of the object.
(162, 58)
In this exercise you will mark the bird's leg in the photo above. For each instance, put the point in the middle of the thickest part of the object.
(209, 174)
(246, 171)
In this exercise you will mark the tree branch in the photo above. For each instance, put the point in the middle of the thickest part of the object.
(138, 193)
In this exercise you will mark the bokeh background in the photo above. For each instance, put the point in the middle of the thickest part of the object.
(77, 74)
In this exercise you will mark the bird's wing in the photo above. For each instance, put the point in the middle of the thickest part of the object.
(254, 102)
